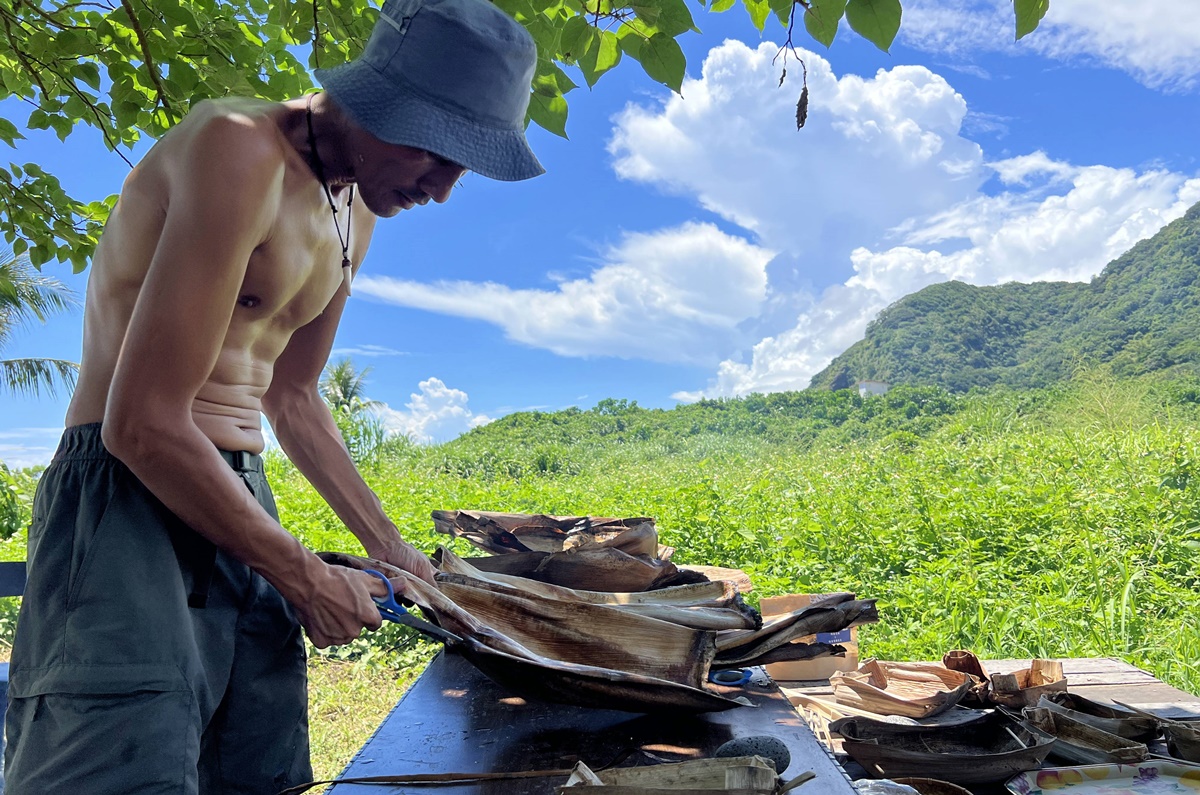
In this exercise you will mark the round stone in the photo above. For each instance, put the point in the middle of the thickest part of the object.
(762, 745)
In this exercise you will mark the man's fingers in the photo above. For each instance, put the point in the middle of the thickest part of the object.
(375, 586)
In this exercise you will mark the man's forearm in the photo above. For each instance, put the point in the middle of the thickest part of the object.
(182, 468)
(308, 434)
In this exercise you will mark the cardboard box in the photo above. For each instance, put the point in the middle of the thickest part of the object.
(821, 667)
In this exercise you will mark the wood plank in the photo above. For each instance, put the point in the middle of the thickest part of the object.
(455, 720)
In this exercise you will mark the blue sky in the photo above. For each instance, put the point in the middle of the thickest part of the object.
(681, 247)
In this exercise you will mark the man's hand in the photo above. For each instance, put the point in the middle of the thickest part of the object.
(404, 555)
(340, 605)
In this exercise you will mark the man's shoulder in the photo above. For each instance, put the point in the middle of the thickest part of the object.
(228, 136)
(236, 121)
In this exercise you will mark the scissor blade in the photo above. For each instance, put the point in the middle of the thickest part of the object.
(421, 626)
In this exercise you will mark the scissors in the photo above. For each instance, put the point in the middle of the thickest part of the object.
(391, 610)
(730, 677)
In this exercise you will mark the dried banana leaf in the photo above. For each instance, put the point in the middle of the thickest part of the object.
(501, 533)
(528, 673)
(711, 605)
(914, 690)
(1182, 736)
(1025, 687)
(578, 632)
(788, 652)
(604, 569)
(696, 573)
(747, 646)
(1106, 717)
(590, 686)
(1084, 744)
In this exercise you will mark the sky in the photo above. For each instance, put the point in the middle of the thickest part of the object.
(699, 245)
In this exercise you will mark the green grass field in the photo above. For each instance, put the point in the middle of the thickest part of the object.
(1060, 523)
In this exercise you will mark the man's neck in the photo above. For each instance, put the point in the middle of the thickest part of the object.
(324, 147)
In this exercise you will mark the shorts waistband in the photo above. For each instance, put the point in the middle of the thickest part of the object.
(83, 443)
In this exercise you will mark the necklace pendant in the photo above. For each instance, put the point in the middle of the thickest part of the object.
(347, 274)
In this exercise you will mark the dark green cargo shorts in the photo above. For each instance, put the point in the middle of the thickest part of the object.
(145, 660)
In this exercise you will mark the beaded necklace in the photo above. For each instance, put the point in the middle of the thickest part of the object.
(347, 266)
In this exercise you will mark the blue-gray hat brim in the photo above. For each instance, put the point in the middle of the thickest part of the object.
(396, 114)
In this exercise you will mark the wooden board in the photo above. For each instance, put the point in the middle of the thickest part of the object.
(455, 720)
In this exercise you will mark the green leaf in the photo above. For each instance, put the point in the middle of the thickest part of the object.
(39, 256)
(759, 11)
(783, 10)
(663, 60)
(647, 13)
(9, 133)
(1029, 14)
(89, 73)
(62, 126)
(720, 6)
(674, 17)
(822, 19)
(631, 43)
(577, 36)
(549, 113)
(877, 21)
(604, 54)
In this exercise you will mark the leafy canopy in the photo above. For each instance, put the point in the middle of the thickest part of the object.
(130, 68)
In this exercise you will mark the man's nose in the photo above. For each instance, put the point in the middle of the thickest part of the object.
(442, 182)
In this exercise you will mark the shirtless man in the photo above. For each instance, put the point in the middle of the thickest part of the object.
(159, 646)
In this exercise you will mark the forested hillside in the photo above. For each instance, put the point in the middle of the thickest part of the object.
(1138, 316)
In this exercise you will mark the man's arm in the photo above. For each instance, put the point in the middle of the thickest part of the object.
(231, 182)
(308, 434)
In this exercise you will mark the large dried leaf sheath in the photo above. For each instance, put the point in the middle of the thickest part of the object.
(639, 652)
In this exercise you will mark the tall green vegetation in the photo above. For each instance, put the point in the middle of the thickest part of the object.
(1056, 522)
(1061, 522)
(1140, 315)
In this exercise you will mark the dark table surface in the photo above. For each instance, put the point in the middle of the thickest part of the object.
(455, 720)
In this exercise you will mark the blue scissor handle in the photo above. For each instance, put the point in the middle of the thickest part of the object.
(388, 606)
(391, 610)
(730, 677)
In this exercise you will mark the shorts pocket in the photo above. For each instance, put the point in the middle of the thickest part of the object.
(88, 537)
(144, 742)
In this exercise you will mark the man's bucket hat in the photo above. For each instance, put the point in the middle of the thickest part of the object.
(451, 77)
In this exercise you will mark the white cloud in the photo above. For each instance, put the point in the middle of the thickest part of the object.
(436, 413)
(671, 295)
(1156, 41)
(27, 447)
(731, 142)
(1067, 236)
(878, 197)
(368, 350)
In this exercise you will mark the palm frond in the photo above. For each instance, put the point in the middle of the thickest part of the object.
(33, 377)
(26, 294)
(343, 387)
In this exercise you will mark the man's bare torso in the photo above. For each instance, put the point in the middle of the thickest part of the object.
(290, 278)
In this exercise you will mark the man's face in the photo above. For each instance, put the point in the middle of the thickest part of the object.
(393, 177)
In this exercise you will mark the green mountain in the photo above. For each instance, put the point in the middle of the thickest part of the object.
(1137, 316)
